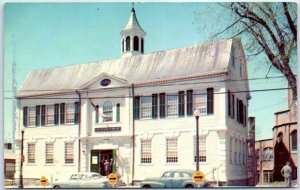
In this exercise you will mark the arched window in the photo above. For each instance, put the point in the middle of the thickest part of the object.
(122, 45)
(107, 113)
(268, 153)
(136, 43)
(128, 43)
(279, 137)
(293, 137)
(142, 45)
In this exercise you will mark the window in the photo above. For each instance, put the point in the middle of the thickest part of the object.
(146, 156)
(181, 103)
(31, 116)
(235, 152)
(172, 156)
(268, 176)
(56, 114)
(294, 140)
(267, 154)
(49, 153)
(232, 107)
(77, 113)
(136, 43)
(200, 101)
(122, 45)
(189, 102)
(70, 113)
(69, 153)
(230, 150)
(202, 149)
(50, 114)
(279, 137)
(172, 105)
(142, 44)
(128, 43)
(31, 153)
(38, 115)
(118, 113)
(146, 107)
(154, 105)
(107, 111)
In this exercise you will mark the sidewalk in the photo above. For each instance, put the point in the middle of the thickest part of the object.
(294, 183)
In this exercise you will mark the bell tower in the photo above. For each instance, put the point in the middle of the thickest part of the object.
(132, 37)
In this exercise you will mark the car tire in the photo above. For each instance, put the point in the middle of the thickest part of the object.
(146, 186)
(189, 186)
(56, 187)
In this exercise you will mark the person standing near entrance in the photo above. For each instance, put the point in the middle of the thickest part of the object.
(106, 167)
(286, 173)
(102, 167)
(111, 163)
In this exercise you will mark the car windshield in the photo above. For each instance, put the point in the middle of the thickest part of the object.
(75, 176)
(166, 174)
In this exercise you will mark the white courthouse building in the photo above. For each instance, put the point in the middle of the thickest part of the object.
(138, 110)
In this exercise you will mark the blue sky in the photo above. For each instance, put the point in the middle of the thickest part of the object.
(49, 35)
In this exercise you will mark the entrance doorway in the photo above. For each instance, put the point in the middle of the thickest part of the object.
(98, 158)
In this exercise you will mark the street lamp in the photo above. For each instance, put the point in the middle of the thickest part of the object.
(197, 114)
(21, 161)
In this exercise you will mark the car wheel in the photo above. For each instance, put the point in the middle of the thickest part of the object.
(146, 186)
(189, 186)
(56, 187)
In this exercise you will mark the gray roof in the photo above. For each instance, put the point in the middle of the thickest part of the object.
(133, 23)
(175, 63)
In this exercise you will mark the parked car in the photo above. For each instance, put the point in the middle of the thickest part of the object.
(83, 180)
(173, 179)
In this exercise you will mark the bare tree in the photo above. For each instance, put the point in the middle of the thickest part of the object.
(271, 28)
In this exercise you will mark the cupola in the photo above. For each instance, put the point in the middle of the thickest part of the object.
(132, 42)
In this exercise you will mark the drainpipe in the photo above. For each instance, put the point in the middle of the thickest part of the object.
(79, 128)
(133, 133)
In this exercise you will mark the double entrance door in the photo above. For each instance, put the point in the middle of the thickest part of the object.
(99, 159)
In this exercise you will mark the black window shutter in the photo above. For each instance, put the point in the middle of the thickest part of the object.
(154, 106)
(241, 111)
(25, 109)
(62, 113)
(229, 103)
(43, 117)
(56, 114)
(118, 113)
(189, 102)
(245, 115)
(233, 106)
(210, 101)
(162, 102)
(237, 110)
(37, 115)
(181, 103)
(76, 113)
(136, 107)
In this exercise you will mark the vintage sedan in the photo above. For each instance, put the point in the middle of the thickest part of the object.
(173, 179)
(82, 180)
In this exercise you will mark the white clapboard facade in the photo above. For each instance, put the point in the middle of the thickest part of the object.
(138, 111)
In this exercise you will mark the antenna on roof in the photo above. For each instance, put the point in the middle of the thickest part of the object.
(132, 7)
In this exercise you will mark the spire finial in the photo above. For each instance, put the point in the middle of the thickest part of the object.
(132, 7)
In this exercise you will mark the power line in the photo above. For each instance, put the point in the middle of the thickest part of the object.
(172, 94)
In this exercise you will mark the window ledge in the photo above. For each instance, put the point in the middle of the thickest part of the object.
(173, 163)
(69, 165)
(144, 164)
(31, 164)
(50, 164)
